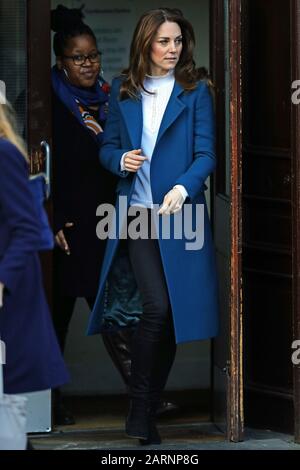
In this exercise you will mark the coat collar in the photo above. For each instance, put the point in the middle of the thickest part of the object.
(132, 112)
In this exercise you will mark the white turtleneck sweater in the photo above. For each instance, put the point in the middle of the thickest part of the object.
(154, 106)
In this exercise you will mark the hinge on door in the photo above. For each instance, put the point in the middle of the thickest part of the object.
(226, 369)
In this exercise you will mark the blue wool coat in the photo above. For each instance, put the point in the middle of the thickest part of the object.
(184, 154)
(33, 358)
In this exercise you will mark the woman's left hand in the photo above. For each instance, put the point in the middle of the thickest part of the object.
(172, 203)
(1, 294)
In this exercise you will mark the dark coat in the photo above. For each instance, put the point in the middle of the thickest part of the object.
(80, 184)
(184, 154)
(33, 358)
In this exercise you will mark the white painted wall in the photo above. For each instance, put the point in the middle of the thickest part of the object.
(91, 368)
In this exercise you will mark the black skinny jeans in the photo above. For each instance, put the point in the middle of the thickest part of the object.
(153, 344)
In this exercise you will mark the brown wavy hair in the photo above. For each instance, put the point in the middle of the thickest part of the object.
(186, 72)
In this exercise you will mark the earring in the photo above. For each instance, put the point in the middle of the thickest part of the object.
(65, 72)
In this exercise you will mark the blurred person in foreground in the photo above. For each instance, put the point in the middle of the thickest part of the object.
(33, 358)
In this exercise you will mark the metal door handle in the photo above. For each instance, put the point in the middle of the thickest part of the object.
(46, 147)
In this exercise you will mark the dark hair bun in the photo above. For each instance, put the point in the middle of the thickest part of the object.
(63, 18)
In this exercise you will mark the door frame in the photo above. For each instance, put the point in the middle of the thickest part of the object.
(39, 87)
(233, 362)
(39, 67)
(235, 398)
(39, 115)
(295, 144)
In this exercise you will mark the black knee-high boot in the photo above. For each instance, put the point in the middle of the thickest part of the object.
(118, 346)
(144, 357)
(151, 364)
(166, 356)
(160, 373)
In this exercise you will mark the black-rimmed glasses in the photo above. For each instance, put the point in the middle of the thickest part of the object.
(80, 59)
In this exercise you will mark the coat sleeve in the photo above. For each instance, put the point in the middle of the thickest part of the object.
(111, 151)
(204, 161)
(18, 214)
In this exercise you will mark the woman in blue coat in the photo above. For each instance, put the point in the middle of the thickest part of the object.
(33, 358)
(160, 140)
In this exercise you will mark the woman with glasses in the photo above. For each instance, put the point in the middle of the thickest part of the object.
(80, 184)
(159, 140)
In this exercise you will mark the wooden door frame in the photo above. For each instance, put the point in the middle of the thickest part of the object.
(236, 414)
(235, 409)
(38, 26)
(39, 101)
(295, 145)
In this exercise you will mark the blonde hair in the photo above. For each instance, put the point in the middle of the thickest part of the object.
(8, 128)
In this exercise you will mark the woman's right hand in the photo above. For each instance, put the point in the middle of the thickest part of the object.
(133, 160)
(61, 240)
